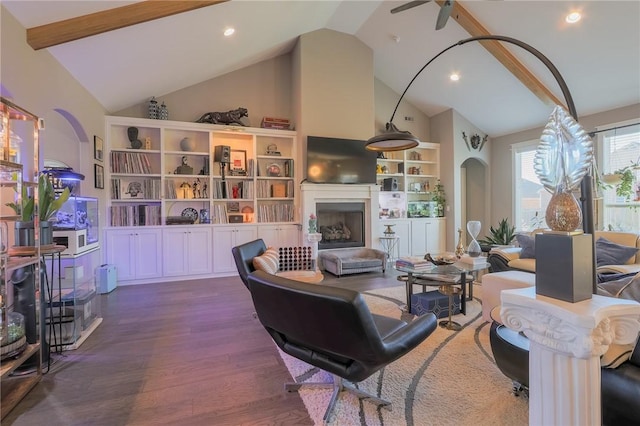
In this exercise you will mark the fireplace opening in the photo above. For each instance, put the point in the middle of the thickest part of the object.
(341, 225)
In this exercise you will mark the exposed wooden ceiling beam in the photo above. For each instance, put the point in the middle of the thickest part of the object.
(503, 55)
(107, 20)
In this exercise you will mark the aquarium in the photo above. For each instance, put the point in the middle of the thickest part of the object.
(76, 225)
(422, 209)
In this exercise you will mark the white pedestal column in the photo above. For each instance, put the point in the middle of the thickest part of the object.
(313, 240)
(567, 340)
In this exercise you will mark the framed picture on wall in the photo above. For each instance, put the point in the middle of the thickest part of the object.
(238, 162)
(99, 176)
(98, 148)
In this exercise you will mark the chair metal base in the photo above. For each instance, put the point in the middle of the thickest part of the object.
(338, 385)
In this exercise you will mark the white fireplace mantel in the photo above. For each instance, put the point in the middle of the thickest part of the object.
(312, 193)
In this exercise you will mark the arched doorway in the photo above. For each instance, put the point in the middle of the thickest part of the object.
(474, 196)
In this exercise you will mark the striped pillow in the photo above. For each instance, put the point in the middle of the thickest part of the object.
(267, 261)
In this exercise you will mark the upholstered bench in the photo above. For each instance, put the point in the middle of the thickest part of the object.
(352, 260)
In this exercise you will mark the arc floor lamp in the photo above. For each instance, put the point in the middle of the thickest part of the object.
(394, 139)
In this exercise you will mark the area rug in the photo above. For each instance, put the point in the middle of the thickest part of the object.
(449, 379)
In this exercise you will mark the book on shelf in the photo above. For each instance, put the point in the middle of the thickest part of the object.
(278, 190)
(276, 126)
(275, 120)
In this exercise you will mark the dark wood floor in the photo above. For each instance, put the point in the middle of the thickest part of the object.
(174, 353)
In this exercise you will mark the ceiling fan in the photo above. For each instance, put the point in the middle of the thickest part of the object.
(445, 10)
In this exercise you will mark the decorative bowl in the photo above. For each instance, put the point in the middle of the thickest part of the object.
(441, 259)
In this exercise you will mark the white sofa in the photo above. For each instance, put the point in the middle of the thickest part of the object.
(508, 258)
(513, 272)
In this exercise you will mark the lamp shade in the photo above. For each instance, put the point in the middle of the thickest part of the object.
(392, 140)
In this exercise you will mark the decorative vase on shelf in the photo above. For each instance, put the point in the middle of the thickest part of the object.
(187, 144)
(313, 224)
(460, 247)
(153, 108)
(473, 227)
(163, 112)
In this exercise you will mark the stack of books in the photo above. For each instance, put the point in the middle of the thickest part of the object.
(413, 262)
(275, 123)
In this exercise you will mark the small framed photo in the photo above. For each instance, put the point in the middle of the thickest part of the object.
(98, 148)
(99, 176)
(238, 161)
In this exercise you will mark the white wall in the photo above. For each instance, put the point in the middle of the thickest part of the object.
(386, 100)
(38, 83)
(264, 89)
(336, 92)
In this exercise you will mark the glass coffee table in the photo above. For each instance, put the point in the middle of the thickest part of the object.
(447, 278)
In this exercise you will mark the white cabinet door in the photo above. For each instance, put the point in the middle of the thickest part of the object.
(428, 236)
(226, 237)
(419, 235)
(280, 235)
(148, 253)
(402, 229)
(436, 236)
(174, 253)
(199, 258)
(187, 250)
(120, 252)
(136, 253)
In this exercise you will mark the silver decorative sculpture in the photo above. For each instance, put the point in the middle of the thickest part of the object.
(563, 158)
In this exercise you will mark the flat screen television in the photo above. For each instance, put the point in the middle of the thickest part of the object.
(335, 160)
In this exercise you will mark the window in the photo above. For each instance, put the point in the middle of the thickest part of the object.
(530, 197)
(619, 149)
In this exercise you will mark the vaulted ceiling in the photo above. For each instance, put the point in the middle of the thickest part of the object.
(500, 92)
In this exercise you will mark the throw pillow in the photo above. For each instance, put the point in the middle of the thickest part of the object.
(267, 261)
(610, 253)
(528, 245)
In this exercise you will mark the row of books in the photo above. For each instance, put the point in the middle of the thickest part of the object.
(267, 189)
(275, 213)
(130, 162)
(139, 215)
(275, 123)
(147, 189)
(219, 213)
(224, 189)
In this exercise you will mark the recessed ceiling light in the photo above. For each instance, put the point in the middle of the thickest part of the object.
(454, 76)
(229, 31)
(573, 17)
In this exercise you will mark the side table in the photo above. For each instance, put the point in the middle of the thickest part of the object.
(389, 245)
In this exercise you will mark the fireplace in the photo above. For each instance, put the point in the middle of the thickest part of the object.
(341, 225)
(355, 205)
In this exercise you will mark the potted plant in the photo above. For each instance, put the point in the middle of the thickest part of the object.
(439, 198)
(503, 235)
(625, 187)
(48, 206)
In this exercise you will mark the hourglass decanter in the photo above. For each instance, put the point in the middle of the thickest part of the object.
(473, 227)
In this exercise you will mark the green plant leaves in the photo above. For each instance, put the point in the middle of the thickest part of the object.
(502, 235)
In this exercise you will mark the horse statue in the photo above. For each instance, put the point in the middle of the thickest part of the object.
(229, 117)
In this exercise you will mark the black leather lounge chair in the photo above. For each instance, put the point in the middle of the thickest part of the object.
(332, 328)
(243, 256)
